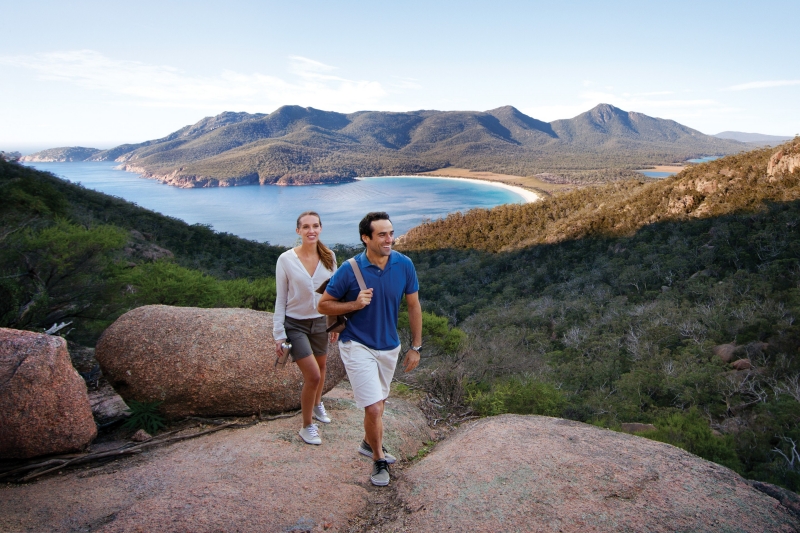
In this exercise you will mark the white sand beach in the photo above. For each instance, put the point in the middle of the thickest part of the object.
(528, 195)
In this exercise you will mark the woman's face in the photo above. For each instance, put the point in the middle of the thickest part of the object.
(309, 229)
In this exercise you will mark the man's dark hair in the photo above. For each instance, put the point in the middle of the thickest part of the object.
(365, 226)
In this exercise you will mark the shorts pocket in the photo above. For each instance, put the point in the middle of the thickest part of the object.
(319, 325)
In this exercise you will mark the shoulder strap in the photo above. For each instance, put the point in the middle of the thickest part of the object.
(357, 272)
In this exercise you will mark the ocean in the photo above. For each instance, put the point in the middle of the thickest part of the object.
(268, 213)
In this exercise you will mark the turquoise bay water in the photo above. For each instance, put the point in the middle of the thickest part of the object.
(704, 159)
(651, 174)
(268, 213)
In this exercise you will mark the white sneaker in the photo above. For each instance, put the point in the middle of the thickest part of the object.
(310, 434)
(320, 414)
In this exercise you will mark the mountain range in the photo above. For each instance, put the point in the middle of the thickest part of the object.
(296, 145)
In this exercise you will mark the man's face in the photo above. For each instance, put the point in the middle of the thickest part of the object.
(382, 238)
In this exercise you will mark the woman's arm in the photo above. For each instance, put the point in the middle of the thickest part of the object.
(281, 295)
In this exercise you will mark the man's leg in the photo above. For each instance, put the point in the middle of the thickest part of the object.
(373, 428)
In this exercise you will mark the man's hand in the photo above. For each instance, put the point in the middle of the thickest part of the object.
(412, 360)
(364, 298)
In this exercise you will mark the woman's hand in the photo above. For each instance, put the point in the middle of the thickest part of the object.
(334, 336)
(278, 349)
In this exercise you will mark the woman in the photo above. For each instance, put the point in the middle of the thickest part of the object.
(297, 275)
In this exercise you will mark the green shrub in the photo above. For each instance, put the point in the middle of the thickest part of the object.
(515, 395)
(164, 282)
(690, 431)
(144, 415)
(258, 294)
(438, 337)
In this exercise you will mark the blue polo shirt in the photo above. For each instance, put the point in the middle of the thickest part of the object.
(375, 326)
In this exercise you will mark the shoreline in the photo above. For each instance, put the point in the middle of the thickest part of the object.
(527, 195)
(674, 169)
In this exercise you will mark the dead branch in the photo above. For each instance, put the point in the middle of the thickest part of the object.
(59, 463)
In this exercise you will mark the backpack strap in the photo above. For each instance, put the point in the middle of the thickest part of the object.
(357, 272)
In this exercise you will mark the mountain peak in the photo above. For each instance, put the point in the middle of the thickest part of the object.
(606, 112)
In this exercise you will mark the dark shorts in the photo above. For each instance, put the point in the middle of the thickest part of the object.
(308, 336)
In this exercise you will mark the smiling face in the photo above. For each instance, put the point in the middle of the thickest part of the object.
(309, 228)
(380, 244)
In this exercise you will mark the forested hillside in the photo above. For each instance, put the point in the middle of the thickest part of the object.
(68, 254)
(735, 183)
(672, 302)
(295, 145)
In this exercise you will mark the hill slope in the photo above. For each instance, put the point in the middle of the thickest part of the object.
(68, 254)
(712, 189)
(295, 145)
(671, 302)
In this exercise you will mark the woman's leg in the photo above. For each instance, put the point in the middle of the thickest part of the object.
(322, 364)
(311, 382)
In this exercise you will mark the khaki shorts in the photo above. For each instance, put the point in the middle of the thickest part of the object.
(370, 371)
(308, 336)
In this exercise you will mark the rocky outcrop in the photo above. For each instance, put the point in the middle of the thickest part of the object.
(742, 364)
(785, 161)
(44, 407)
(531, 473)
(725, 352)
(206, 362)
(257, 479)
(177, 178)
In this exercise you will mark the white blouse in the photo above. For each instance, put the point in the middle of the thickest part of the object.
(296, 291)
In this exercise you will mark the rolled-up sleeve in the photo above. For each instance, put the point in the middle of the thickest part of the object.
(282, 291)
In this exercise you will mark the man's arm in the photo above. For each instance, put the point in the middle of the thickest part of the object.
(328, 305)
(415, 323)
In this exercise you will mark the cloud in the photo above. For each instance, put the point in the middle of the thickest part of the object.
(148, 85)
(762, 85)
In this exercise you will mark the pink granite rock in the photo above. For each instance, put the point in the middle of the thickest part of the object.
(742, 364)
(724, 351)
(44, 407)
(534, 473)
(208, 362)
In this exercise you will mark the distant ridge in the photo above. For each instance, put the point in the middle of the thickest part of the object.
(297, 145)
(756, 138)
(65, 153)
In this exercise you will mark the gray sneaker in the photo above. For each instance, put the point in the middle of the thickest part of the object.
(310, 434)
(319, 413)
(380, 473)
(366, 449)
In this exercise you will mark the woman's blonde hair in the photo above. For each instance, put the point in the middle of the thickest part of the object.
(325, 254)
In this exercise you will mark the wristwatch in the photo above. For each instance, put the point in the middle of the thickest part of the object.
(416, 348)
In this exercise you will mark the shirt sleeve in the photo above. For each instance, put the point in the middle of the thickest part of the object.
(340, 281)
(281, 294)
(412, 284)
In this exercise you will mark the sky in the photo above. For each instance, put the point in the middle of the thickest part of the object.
(99, 74)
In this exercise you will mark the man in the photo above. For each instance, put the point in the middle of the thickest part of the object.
(369, 344)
